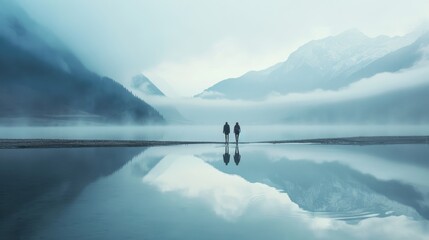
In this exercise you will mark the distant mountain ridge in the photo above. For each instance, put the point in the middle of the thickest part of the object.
(394, 61)
(145, 89)
(41, 79)
(328, 64)
(143, 84)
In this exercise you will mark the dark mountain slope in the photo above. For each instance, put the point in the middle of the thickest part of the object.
(41, 80)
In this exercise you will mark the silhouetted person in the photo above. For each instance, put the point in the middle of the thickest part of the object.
(237, 131)
(237, 156)
(226, 131)
(226, 155)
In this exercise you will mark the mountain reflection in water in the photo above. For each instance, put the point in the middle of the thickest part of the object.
(190, 192)
(37, 183)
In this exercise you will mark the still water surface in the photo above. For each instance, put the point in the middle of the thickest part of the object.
(253, 191)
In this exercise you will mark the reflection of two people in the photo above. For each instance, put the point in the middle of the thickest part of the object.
(227, 156)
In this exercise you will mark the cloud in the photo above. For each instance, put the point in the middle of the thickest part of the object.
(211, 95)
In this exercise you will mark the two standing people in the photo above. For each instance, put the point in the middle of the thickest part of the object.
(227, 130)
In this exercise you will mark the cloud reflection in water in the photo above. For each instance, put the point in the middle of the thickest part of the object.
(235, 199)
(229, 195)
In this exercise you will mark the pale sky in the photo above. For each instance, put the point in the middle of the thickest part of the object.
(185, 46)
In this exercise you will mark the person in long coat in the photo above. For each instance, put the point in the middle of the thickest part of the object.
(226, 131)
(237, 131)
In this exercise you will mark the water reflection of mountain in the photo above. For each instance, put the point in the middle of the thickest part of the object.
(36, 184)
(141, 168)
(333, 187)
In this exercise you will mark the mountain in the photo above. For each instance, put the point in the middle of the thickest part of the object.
(145, 89)
(403, 105)
(392, 89)
(43, 82)
(329, 63)
(141, 83)
(394, 61)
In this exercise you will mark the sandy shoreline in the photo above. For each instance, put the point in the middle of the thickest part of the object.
(65, 143)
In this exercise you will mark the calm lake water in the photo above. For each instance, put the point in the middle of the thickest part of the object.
(258, 191)
(253, 191)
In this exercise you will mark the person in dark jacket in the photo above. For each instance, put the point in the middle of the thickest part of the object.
(237, 131)
(226, 131)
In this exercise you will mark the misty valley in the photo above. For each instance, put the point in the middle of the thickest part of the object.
(214, 120)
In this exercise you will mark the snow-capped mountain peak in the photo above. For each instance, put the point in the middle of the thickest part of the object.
(329, 63)
(141, 83)
(350, 49)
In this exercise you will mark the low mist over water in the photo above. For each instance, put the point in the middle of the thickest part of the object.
(249, 133)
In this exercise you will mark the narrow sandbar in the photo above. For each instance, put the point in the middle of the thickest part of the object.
(66, 143)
